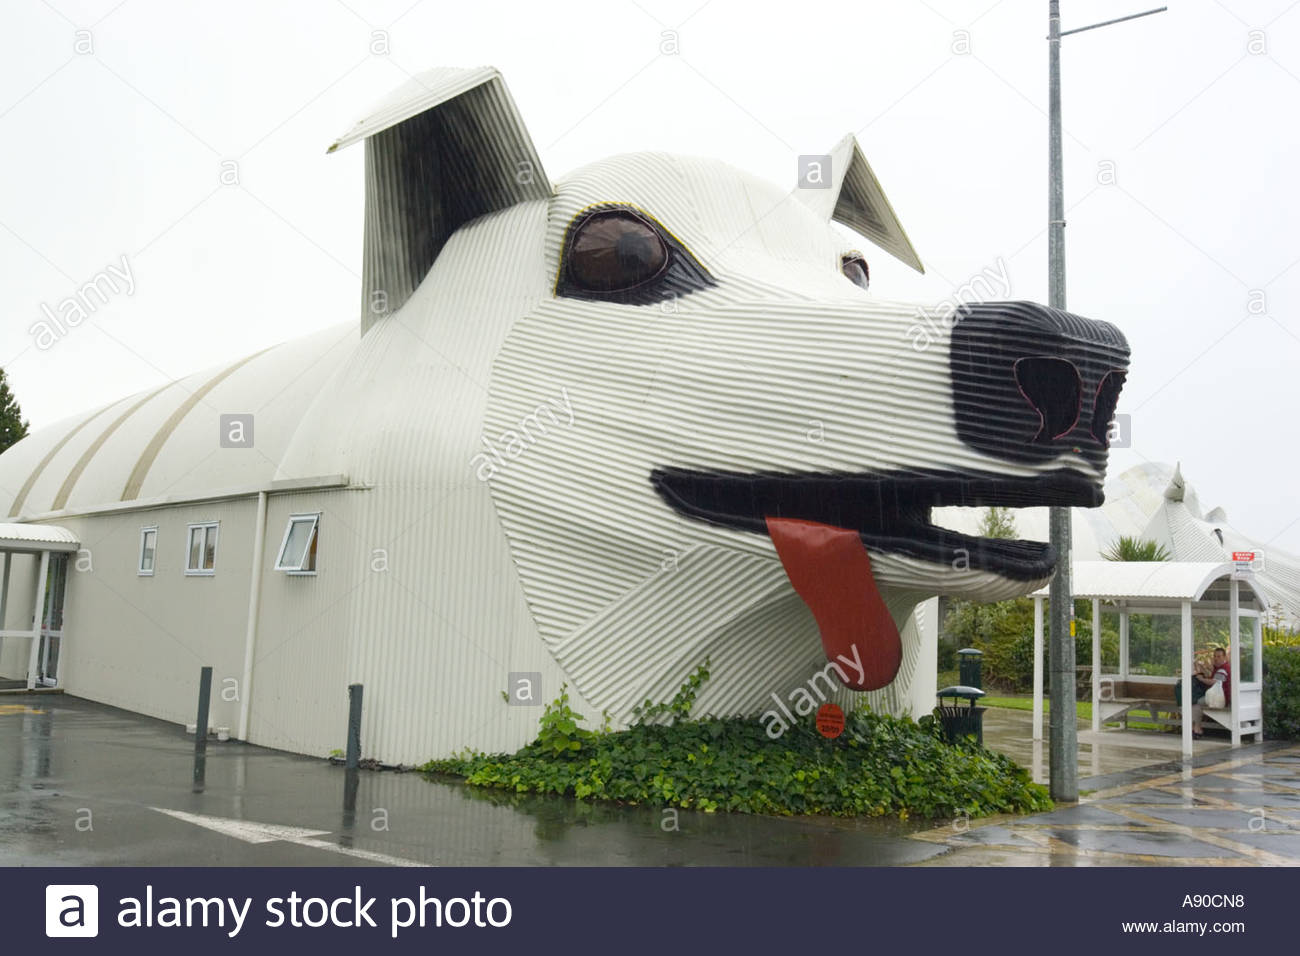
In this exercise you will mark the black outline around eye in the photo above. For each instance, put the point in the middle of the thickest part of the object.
(681, 274)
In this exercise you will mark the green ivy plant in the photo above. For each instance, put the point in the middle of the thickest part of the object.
(560, 734)
(679, 708)
(880, 765)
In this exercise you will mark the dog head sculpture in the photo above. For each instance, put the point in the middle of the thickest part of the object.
(705, 436)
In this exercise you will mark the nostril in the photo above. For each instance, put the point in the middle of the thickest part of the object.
(1053, 388)
(1103, 409)
(1027, 382)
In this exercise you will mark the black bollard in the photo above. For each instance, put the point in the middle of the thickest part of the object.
(354, 727)
(201, 727)
(351, 781)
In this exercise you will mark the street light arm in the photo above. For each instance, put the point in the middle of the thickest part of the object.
(1106, 23)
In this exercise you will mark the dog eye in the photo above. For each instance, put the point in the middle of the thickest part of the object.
(617, 253)
(855, 269)
(614, 251)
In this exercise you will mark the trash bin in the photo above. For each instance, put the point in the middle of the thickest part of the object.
(970, 662)
(961, 721)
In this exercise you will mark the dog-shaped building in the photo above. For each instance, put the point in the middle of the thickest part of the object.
(596, 432)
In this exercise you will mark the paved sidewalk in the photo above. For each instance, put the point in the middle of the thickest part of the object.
(1224, 808)
(82, 784)
(85, 784)
(1011, 732)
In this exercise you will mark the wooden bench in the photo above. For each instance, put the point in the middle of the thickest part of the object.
(1152, 698)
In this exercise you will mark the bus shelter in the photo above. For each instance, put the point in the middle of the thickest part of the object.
(1192, 602)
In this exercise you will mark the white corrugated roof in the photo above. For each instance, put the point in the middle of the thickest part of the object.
(1159, 580)
(43, 537)
(166, 441)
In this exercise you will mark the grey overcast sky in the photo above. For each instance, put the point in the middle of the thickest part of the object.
(118, 118)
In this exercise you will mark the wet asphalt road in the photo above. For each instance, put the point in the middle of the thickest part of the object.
(82, 784)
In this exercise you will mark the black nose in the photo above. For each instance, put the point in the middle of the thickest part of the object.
(1030, 382)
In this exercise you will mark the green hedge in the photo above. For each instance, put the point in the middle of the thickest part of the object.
(1004, 631)
(1281, 692)
(879, 765)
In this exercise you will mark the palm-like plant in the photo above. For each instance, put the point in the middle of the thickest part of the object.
(1136, 549)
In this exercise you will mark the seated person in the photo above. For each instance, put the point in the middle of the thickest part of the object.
(1202, 672)
(1222, 672)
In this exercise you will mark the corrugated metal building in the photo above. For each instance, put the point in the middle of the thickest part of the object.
(380, 525)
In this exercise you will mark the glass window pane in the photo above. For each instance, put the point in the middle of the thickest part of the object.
(1155, 644)
(1247, 625)
(210, 549)
(311, 551)
(147, 550)
(296, 543)
(1109, 640)
(196, 548)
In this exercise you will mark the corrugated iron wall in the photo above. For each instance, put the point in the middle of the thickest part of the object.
(138, 642)
(435, 617)
(452, 561)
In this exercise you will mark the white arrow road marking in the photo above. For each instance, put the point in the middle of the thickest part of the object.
(252, 832)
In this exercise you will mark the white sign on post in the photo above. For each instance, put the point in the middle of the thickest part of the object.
(1248, 560)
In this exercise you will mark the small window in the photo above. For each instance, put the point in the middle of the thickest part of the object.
(148, 550)
(202, 556)
(298, 550)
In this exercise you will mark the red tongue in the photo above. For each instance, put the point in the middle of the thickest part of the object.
(831, 571)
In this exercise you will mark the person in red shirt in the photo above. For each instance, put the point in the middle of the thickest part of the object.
(1220, 670)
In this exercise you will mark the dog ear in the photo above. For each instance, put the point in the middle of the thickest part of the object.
(856, 200)
(445, 148)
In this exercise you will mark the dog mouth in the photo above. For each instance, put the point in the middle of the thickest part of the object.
(889, 512)
(822, 526)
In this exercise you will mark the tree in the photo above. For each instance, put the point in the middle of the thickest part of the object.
(998, 523)
(978, 624)
(1004, 630)
(13, 427)
(1136, 549)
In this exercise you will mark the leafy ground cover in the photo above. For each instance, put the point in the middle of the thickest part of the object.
(879, 765)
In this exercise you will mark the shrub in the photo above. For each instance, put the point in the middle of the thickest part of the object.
(1136, 549)
(1004, 631)
(879, 765)
(1282, 691)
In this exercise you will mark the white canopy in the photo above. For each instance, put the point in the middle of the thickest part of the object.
(1155, 581)
(36, 537)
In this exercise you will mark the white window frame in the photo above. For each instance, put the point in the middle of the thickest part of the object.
(300, 569)
(207, 527)
(139, 564)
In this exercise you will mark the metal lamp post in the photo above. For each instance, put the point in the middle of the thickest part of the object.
(1063, 732)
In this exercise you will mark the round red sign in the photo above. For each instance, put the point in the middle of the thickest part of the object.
(830, 720)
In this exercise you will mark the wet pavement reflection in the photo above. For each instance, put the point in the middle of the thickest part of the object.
(84, 784)
(1224, 807)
